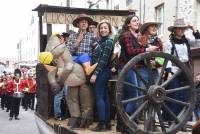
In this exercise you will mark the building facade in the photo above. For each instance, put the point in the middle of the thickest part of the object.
(28, 45)
(164, 11)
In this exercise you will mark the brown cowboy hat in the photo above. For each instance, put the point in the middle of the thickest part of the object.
(144, 27)
(81, 17)
(178, 23)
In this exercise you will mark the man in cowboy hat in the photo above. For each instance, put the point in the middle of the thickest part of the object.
(80, 99)
(81, 43)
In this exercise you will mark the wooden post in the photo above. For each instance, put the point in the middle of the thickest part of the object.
(40, 14)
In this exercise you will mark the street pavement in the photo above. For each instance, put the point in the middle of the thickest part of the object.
(26, 124)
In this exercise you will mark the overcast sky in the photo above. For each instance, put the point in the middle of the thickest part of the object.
(15, 18)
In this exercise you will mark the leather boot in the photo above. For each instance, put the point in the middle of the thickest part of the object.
(74, 122)
(85, 123)
(102, 126)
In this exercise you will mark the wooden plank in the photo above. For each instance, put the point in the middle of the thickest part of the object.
(72, 10)
(63, 123)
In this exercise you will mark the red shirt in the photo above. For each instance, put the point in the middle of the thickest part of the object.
(130, 47)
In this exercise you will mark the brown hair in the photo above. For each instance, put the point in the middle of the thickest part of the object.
(109, 27)
(125, 26)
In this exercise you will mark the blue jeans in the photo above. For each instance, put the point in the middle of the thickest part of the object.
(82, 58)
(130, 92)
(101, 93)
(57, 101)
(144, 73)
(183, 95)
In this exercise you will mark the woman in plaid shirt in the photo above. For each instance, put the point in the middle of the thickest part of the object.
(102, 54)
(130, 47)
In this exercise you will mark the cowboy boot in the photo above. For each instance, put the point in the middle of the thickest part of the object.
(85, 123)
(74, 122)
(102, 126)
(90, 69)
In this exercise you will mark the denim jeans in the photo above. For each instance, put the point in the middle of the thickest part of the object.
(130, 92)
(82, 58)
(182, 95)
(57, 101)
(144, 73)
(101, 93)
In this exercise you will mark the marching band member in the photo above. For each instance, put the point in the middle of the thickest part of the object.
(31, 90)
(17, 86)
(9, 93)
(3, 85)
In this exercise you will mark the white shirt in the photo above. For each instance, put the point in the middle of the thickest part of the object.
(182, 52)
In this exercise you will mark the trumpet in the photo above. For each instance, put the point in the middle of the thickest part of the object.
(26, 89)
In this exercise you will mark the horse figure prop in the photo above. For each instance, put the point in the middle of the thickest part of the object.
(66, 71)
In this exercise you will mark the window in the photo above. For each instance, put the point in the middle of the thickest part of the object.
(116, 7)
(160, 18)
(128, 2)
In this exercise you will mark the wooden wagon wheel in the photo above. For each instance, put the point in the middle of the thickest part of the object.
(155, 97)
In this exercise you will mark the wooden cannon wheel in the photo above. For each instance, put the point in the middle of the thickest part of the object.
(155, 98)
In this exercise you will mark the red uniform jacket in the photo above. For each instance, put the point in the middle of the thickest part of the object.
(31, 84)
(20, 84)
(9, 87)
(3, 89)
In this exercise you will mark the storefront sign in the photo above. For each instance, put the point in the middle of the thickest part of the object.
(62, 18)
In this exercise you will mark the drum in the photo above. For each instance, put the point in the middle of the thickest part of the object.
(18, 95)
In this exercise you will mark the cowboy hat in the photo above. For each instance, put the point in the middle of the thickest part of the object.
(81, 17)
(178, 23)
(144, 27)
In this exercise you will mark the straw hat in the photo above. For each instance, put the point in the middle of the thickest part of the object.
(144, 27)
(178, 23)
(81, 17)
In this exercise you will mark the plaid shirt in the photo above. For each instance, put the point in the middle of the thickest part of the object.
(130, 47)
(85, 45)
(102, 54)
